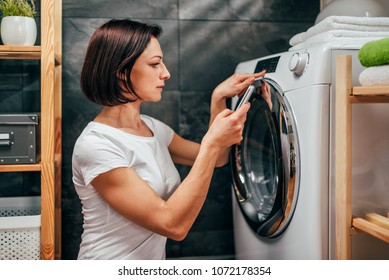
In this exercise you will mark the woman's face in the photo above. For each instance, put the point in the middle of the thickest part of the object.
(149, 73)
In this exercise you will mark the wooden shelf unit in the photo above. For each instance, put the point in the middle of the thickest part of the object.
(49, 53)
(346, 224)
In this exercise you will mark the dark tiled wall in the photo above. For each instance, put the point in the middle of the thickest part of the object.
(202, 42)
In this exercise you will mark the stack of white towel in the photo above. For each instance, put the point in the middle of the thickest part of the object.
(342, 30)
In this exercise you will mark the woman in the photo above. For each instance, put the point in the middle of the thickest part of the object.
(123, 162)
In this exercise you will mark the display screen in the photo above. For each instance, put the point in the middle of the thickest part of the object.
(270, 65)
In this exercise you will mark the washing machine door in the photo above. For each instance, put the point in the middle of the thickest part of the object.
(265, 164)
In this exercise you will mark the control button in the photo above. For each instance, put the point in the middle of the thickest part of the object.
(298, 62)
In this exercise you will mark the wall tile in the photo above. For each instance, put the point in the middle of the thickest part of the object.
(194, 114)
(212, 49)
(253, 10)
(217, 210)
(119, 8)
(76, 35)
(208, 244)
(19, 184)
(31, 101)
(31, 75)
(11, 184)
(11, 101)
(11, 75)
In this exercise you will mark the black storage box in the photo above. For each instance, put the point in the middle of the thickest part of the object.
(19, 138)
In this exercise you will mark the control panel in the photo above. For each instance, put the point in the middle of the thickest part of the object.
(270, 65)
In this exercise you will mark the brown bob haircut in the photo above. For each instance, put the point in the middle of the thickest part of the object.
(112, 51)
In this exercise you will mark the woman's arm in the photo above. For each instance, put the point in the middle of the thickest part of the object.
(184, 151)
(234, 85)
(131, 196)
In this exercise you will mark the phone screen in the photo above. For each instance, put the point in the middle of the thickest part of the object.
(246, 96)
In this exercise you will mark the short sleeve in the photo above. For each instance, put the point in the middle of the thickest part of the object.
(94, 155)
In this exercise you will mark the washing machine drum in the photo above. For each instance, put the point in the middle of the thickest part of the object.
(265, 165)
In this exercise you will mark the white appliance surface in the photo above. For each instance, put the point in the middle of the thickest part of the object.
(310, 234)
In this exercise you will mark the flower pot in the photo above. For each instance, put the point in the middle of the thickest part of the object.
(18, 31)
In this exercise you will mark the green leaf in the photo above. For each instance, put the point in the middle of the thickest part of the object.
(24, 8)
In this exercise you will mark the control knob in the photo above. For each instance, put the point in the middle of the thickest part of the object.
(298, 62)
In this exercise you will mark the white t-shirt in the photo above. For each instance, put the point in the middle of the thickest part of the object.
(100, 148)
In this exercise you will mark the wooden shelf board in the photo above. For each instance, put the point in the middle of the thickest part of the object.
(369, 94)
(369, 99)
(20, 167)
(377, 219)
(370, 90)
(25, 52)
(371, 228)
(20, 52)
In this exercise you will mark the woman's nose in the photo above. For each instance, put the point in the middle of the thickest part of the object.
(165, 73)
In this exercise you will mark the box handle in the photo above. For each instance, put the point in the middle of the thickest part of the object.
(5, 139)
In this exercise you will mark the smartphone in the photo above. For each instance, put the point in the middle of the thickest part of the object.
(249, 91)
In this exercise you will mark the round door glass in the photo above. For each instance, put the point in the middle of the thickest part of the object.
(264, 164)
(260, 154)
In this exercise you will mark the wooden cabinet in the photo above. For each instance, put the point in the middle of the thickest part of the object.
(346, 95)
(49, 53)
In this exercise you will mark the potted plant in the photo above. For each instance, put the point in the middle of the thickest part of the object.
(18, 26)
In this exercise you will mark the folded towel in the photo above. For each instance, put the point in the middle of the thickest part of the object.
(375, 76)
(342, 33)
(362, 24)
(374, 53)
(351, 42)
(334, 34)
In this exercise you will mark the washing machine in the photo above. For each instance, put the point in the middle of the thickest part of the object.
(283, 170)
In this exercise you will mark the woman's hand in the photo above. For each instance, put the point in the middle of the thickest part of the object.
(227, 128)
(232, 86)
(235, 85)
